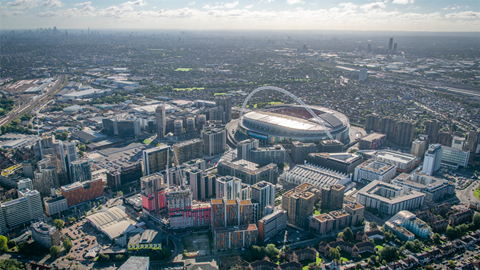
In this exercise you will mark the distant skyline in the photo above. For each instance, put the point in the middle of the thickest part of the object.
(389, 15)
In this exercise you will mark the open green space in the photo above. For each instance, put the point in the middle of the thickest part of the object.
(477, 193)
(147, 141)
(379, 247)
(219, 94)
(275, 102)
(189, 89)
(183, 69)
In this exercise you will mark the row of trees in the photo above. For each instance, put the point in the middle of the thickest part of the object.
(256, 253)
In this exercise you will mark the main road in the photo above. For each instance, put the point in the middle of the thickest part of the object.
(29, 106)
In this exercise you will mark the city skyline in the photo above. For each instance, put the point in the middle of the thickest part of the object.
(364, 15)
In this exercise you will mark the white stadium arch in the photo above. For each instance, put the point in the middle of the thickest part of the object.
(299, 101)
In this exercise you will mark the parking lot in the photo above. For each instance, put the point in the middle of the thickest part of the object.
(84, 237)
(293, 236)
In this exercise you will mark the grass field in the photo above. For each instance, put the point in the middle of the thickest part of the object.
(183, 69)
(477, 193)
(189, 89)
(219, 94)
(379, 247)
(275, 102)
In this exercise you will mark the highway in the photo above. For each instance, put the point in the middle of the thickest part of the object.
(29, 106)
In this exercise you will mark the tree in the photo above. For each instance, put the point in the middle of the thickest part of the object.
(476, 220)
(437, 238)
(58, 223)
(389, 253)
(103, 258)
(410, 246)
(11, 264)
(272, 251)
(67, 244)
(113, 242)
(335, 254)
(119, 258)
(72, 219)
(347, 234)
(82, 148)
(341, 235)
(451, 263)
(167, 252)
(358, 266)
(11, 244)
(373, 225)
(54, 251)
(3, 243)
(429, 267)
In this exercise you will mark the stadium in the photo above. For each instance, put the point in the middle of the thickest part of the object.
(286, 123)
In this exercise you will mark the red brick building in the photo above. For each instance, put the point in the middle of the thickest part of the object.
(80, 192)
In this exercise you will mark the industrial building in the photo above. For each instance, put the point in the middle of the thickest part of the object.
(316, 176)
(372, 141)
(188, 150)
(263, 193)
(249, 172)
(214, 141)
(332, 197)
(266, 155)
(299, 204)
(433, 159)
(113, 221)
(46, 235)
(155, 159)
(340, 162)
(235, 237)
(244, 147)
(300, 151)
(389, 198)
(407, 221)
(20, 211)
(372, 170)
(80, 170)
(403, 161)
(435, 189)
(80, 192)
(272, 224)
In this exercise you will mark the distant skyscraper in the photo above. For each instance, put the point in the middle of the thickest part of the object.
(80, 170)
(161, 121)
(155, 159)
(390, 45)
(363, 75)
(372, 122)
(226, 103)
(395, 48)
(369, 48)
(404, 133)
(432, 160)
(332, 197)
(387, 127)
(432, 127)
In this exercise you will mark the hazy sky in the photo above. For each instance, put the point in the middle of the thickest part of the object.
(403, 15)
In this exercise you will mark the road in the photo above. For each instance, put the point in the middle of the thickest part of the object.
(466, 195)
(29, 106)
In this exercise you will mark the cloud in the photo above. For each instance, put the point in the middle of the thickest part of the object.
(348, 6)
(293, 2)
(52, 3)
(268, 1)
(22, 4)
(403, 2)
(371, 6)
(191, 3)
(84, 4)
(6, 13)
(48, 14)
(135, 3)
(226, 5)
(249, 6)
(463, 15)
